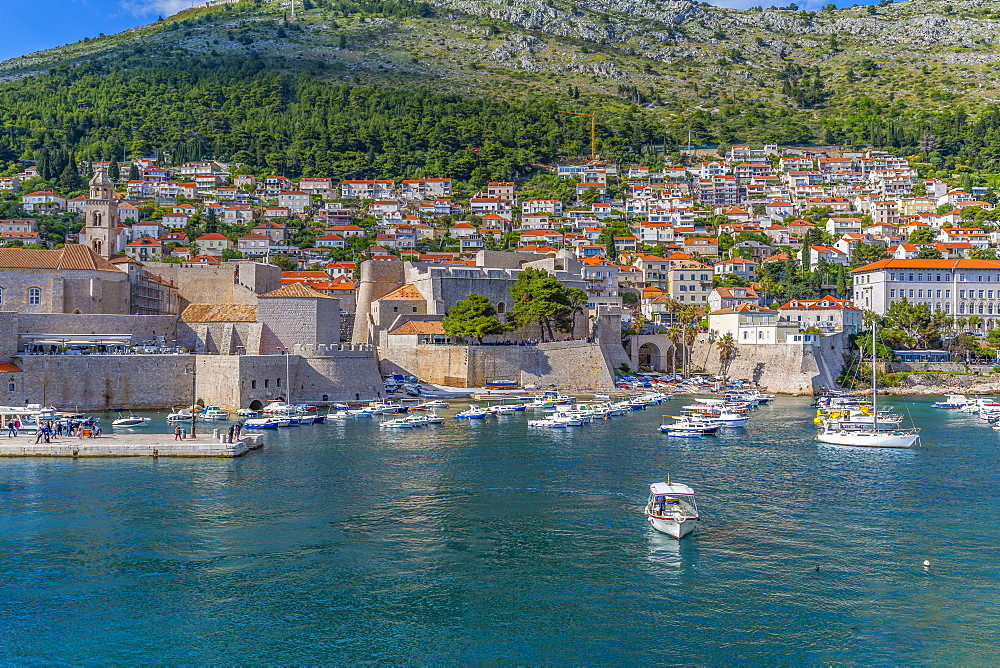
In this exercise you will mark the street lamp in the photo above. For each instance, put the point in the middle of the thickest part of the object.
(194, 396)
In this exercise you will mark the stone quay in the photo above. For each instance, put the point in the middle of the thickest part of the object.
(131, 445)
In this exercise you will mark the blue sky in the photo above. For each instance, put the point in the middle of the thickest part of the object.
(33, 25)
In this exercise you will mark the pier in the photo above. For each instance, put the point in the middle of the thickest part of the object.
(130, 445)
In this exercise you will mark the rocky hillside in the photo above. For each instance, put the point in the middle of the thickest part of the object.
(800, 75)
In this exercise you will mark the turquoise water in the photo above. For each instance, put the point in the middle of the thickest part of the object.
(472, 543)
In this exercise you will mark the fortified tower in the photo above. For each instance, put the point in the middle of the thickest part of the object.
(101, 212)
(378, 278)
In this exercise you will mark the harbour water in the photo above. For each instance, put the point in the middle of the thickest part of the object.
(470, 543)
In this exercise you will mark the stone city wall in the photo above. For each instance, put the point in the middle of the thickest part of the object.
(570, 365)
(104, 382)
(779, 368)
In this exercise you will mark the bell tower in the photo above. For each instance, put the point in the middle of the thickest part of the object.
(101, 211)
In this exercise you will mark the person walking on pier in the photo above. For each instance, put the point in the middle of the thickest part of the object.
(177, 433)
(11, 429)
(38, 434)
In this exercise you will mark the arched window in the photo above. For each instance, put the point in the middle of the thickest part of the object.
(98, 219)
(501, 307)
(980, 308)
(34, 297)
(989, 308)
(961, 308)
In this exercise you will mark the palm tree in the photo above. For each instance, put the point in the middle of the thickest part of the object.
(767, 286)
(727, 353)
(676, 335)
(689, 317)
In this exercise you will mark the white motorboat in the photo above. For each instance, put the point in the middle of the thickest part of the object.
(473, 412)
(340, 415)
(433, 418)
(953, 401)
(183, 415)
(131, 421)
(727, 419)
(671, 508)
(501, 409)
(247, 413)
(870, 436)
(689, 426)
(550, 423)
(397, 423)
(213, 413)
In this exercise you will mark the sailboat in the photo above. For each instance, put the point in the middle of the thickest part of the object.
(874, 436)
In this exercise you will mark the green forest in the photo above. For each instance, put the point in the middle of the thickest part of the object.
(300, 123)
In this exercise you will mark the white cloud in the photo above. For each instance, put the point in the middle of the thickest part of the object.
(143, 8)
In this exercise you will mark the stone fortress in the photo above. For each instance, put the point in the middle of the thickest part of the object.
(253, 340)
(400, 307)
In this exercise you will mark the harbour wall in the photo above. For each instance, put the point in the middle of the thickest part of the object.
(568, 365)
(779, 368)
(319, 374)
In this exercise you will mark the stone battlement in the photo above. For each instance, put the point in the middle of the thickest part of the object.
(338, 350)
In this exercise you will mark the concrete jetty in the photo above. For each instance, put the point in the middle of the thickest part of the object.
(130, 445)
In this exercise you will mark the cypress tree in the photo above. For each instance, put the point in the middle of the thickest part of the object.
(114, 170)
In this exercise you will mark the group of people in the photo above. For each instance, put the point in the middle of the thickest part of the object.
(234, 431)
(49, 430)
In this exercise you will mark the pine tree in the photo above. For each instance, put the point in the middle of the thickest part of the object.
(70, 177)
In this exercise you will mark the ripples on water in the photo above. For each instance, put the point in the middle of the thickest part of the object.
(472, 543)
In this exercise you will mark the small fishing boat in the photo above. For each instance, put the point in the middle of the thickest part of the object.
(262, 423)
(671, 508)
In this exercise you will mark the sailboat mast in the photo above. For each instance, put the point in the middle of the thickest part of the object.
(874, 389)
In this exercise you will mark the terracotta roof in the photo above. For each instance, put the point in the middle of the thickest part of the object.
(420, 327)
(930, 264)
(405, 292)
(219, 313)
(9, 368)
(71, 256)
(744, 308)
(295, 291)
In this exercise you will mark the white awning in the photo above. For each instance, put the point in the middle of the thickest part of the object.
(674, 489)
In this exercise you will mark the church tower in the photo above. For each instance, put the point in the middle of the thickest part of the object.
(101, 226)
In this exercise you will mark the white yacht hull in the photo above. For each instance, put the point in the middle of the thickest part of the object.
(869, 440)
(671, 526)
